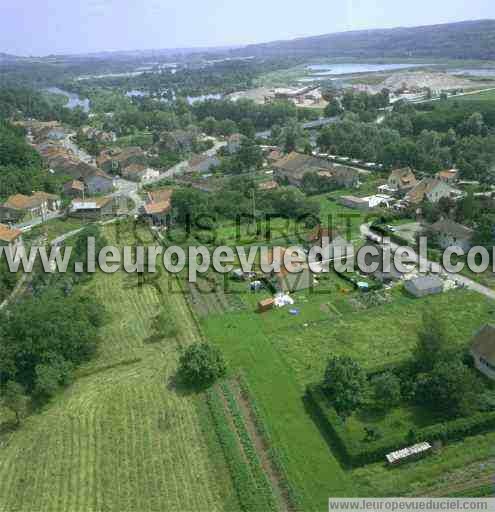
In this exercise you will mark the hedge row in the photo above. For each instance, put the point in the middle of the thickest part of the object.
(243, 481)
(275, 456)
(264, 487)
(355, 453)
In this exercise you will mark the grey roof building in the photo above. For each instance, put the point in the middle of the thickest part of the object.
(424, 285)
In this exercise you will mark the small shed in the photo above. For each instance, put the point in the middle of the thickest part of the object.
(265, 305)
(424, 285)
(412, 452)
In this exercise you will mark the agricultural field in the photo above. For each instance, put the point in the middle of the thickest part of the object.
(122, 437)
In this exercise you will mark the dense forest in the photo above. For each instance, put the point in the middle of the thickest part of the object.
(464, 40)
(430, 139)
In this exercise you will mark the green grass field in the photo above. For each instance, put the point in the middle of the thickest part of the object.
(121, 437)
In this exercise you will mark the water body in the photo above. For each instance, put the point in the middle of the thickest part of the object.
(348, 69)
(74, 100)
(190, 99)
(490, 72)
(194, 99)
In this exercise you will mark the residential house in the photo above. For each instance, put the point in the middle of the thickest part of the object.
(11, 238)
(115, 159)
(449, 176)
(402, 181)
(158, 206)
(94, 208)
(285, 281)
(134, 172)
(292, 168)
(234, 143)
(274, 156)
(483, 350)
(334, 242)
(203, 164)
(140, 173)
(178, 140)
(268, 185)
(386, 274)
(19, 206)
(74, 188)
(452, 234)
(98, 182)
(98, 135)
(424, 285)
(432, 190)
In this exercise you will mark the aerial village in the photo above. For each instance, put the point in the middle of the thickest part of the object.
(375, 164)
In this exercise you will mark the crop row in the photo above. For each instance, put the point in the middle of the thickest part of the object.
(263, 484)
(276, 457)
(249, 497)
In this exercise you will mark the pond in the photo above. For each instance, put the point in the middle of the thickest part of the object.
(74, 100)
(348, 68)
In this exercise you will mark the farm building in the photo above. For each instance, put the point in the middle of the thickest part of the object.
(483, 350)
(294, 166)
(412, 452)
(91, 208)
(424, 285)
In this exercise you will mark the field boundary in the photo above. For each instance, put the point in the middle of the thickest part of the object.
(354, 455)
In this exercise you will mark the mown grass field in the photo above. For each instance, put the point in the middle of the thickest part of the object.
(121, 437)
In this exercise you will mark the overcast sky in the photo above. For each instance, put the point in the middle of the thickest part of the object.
(41, 27)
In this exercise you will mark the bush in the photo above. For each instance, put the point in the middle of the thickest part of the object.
(201, 365)
(346, 382)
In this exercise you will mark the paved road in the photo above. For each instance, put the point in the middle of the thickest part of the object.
(433, 266)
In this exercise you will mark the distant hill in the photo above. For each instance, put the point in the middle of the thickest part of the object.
(7, 58)
(463, 40)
